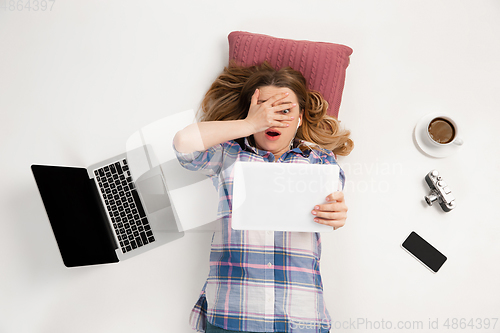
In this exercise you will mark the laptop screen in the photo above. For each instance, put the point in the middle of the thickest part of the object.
(76, 215)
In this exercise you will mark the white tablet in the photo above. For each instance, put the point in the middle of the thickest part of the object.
(281, 196)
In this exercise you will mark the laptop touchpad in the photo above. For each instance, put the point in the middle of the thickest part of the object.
(153, 193)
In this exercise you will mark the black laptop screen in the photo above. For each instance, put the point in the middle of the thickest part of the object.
(75, 214)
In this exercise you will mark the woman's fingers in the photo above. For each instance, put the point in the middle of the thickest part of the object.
(255, 97)
(332, 223)
(284, 106)
(273, 99)
(268, 113)
(336, 196)
(333, 213)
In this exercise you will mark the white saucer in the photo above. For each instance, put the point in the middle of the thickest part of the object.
(421, 140)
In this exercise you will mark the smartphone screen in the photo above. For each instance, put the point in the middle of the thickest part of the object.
(423, 251)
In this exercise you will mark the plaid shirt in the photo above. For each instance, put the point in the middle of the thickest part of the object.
(259, 281)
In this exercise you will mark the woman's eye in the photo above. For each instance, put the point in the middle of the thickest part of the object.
(286, 111)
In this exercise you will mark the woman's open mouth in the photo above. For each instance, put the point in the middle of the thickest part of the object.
(272, 134)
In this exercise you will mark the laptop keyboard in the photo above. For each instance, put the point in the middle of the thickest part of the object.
(124, 206)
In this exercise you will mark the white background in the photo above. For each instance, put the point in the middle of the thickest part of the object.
(77, 80)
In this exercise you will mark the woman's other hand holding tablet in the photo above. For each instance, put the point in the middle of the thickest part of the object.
(333, 213)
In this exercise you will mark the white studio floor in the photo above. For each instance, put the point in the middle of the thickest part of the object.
(76, 79)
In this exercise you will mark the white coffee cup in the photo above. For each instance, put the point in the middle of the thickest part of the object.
(441, 130)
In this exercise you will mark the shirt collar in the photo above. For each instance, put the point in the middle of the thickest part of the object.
(297, 145)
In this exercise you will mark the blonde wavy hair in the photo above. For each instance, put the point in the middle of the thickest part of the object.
(230, 95)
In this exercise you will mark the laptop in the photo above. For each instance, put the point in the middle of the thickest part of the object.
(281, 196)
(101, 215)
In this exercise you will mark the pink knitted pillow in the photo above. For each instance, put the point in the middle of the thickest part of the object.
(322, 64)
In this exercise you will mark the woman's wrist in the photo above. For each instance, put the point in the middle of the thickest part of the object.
(247, 128)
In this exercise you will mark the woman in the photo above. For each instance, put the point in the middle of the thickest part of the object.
(263, 281)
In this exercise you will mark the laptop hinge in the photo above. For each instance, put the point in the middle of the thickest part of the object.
(104, 215)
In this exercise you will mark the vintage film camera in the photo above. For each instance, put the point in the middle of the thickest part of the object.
(440, 192)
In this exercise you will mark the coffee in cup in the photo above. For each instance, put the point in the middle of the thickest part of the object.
(442, 131)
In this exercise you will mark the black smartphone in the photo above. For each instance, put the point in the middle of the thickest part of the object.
(424, 252)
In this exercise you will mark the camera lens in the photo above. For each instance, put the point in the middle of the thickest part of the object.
(431, 198)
